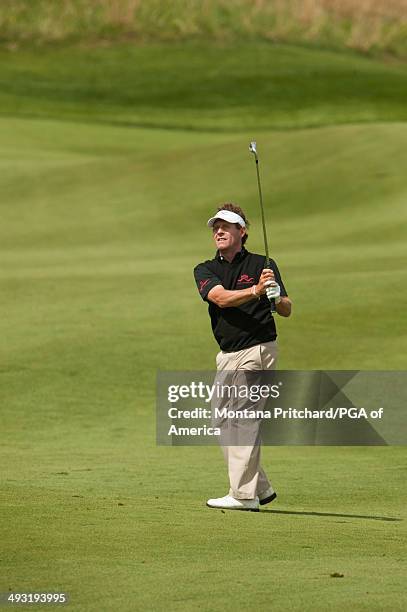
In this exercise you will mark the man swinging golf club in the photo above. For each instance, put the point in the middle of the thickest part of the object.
(239, 287)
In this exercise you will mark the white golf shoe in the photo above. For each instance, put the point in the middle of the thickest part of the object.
(230, 503)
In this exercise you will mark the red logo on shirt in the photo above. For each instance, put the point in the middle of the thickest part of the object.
(245, 279)
(202, 284)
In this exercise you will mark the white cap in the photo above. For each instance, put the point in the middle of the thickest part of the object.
(227, 215)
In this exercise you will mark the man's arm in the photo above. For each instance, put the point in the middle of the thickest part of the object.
(284, 307)
(277, 290)
(226, 298)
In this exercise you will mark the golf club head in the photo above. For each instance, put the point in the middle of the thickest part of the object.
(252, 147)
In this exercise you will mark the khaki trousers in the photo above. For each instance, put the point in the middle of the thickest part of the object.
(246, 476)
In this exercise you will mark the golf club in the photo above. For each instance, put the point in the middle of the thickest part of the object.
(253, 149)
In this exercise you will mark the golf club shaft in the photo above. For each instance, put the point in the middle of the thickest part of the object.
(253, 149)
(266, 246)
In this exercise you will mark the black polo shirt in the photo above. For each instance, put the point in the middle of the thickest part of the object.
(243, 326)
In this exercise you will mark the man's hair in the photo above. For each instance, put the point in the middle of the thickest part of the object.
(236, 209)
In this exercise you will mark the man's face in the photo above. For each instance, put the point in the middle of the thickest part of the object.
(227, 236)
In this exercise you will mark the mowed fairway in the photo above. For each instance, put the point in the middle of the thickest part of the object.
(101, 226)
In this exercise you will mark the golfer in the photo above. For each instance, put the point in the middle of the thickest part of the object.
(238, 289)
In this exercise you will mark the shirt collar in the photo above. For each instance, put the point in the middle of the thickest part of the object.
(238, 257)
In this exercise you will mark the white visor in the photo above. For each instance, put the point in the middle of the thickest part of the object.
(227, 215)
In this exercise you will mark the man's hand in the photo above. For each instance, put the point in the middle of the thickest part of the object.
(273, 291)
(266, 277)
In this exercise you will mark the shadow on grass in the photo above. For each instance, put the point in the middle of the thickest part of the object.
(358, 516)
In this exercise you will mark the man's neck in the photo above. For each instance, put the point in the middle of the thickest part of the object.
(230, 255)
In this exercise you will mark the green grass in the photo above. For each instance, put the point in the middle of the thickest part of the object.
(373, 26)
(102, 223)
(200, 87)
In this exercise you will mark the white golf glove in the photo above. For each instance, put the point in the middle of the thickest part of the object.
(273, 291)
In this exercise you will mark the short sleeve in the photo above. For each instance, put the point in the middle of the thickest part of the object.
(205, 280)
(278, 278)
